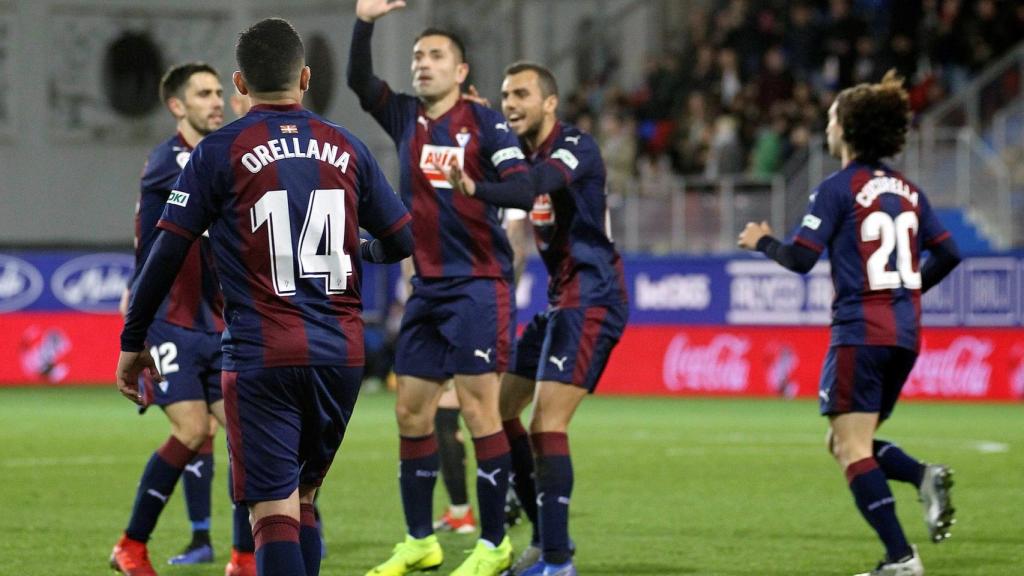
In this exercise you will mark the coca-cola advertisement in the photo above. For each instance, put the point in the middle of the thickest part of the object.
(954, 364)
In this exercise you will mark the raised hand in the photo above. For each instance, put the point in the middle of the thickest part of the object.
(370, 10)
(474, 96)
(457, 178)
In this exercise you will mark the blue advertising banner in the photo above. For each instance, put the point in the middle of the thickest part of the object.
(985, 291)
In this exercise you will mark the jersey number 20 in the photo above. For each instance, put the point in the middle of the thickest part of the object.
(324, 216)
(893, 234)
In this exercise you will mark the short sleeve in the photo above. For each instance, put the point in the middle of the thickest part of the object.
(502, 146)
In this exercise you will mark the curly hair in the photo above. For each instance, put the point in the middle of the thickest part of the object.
(875, 117)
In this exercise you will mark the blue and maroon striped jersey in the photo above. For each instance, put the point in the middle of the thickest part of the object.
(284, 193)
(875, 224)
(195, 301)
(571, 225)
(455, 235)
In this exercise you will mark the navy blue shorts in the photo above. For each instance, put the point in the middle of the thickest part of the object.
(864, 379)
(189, 361)
(570, 345)
(456, 326)
(285, 425)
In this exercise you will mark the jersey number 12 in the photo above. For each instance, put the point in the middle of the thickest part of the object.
(892, 234)
(324, 216)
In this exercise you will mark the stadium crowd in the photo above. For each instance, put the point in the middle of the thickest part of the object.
(747, 83)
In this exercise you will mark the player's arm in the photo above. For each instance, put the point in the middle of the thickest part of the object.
(392, 248)
(149, 290)
(361, 79)
(757, 236)
(518, 231)
(942, 259)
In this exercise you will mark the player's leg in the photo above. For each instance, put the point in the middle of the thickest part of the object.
(243, 547)
(852, 399)
(577, 346)
(197, 485)
(309, 534)
(459, 515)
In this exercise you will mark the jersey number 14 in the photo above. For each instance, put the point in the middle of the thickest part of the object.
(325, 216)
(893, 233)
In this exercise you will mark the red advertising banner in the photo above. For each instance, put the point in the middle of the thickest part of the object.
(58, 348)
(69, 348)
(955, 363)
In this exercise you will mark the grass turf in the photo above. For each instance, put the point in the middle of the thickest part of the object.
(663, 486)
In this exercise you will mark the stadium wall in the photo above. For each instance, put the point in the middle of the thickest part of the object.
(728, 326)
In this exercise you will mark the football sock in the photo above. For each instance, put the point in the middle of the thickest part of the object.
(522, 468)
(453, 455)
(876, 504)
(277, 546)
(897, 464)
(241, 530)
(493, 461)
(554, 483)
(417, 476)
(309, 539)
(197, 481)
(155, 487)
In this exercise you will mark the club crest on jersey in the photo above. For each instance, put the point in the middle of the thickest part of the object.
(441, 156)
(182, 158)
(289, 129)
(178, 198)
(463, 137)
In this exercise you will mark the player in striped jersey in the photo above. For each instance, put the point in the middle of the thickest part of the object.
(876, 224)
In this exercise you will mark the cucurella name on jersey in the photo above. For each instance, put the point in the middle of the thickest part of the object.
(281, 148)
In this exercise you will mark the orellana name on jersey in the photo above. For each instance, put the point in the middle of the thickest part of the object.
(440, 156)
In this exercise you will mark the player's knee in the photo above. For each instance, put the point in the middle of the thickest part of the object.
(413, 419)
(830, 443)
(192, 434)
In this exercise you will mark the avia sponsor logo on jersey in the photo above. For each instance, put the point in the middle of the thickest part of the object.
(673, 292)
(432, 156)
(283, 148)
(20, 283)
(543, 213)
(719, 366)
(93, 283)
(884, 185)
(961, 369)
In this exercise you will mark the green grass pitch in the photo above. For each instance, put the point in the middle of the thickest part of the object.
(663, 486)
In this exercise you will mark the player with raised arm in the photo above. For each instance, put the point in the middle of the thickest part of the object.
(875, 224)
(459, 319)
(564, 350)
(283, 194)
(185, 337)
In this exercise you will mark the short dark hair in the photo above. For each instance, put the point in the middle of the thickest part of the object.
(875, 117)
(270, 55)
(174, 80)
(548, 85)
(460, 48)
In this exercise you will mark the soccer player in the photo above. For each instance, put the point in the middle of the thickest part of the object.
(458, 321)
(875, 224)
(564, 350)
(283, 194)
(185, 337)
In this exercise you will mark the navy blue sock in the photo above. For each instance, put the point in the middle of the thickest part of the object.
(309, 540)
(492, 462)
(417, 476)
(554, 483)
(897, 464)
(522, 468)
(241, 529)
(197, 481)
(277, 546)
(155, 487)
(876, 504)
